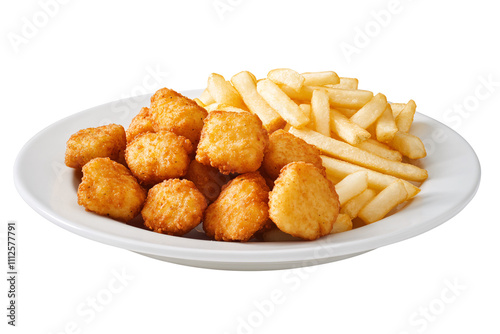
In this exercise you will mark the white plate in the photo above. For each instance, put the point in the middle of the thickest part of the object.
(49, 188)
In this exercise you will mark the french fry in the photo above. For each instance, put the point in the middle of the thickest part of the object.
(409, 145)
(384, 202)
(371, 111)
(355, 204)
(385, 126)
(357, 156)
(280, 102)
(338, 169)
(198, 102)
(397, 108)
(320, 112)
(286, 76)
(350, 132)
(347, 112)
(245, 83)
(342, 224)
(405, 117)
(206, 98)
(303, 95)
(223, 92)
(306, 109)
(320, 78)
(346, 83)
(348, 98)
(380, 149)
(351, 186)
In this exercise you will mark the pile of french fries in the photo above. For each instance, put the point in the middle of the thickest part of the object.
(362, 137)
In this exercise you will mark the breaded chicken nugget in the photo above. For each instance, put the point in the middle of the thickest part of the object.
(101, 142)
(140, 123)
(156, 156)
(232, 142)
(207, 179)
(174, 112)
(303, 202)
(109, 189)
(285, 148)
(240, 211)
(173, 207)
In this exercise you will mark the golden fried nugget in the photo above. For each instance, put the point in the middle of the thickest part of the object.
(240, 211)
(174, 112)
(207, 179)
(303, 202)
(232, 142)
(285, 148)
(108, 188)
(101, 142)
(173, 207)
(156, 156)
(140, 123)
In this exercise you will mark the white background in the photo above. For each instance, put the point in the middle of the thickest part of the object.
(91, 52)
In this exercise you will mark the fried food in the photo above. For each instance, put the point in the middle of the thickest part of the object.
(174, 112)
(156, 156)
(303, 202)
(207, 179)
(285, 148)
(240, 211)
(140, 123)
(109, 189)
(173, 207)
(232, 142)
(100, 142)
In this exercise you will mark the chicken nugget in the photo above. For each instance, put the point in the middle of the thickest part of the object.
(156, 156)
(285, 148)
(207, 179)
(240, 211)
(303, 202)
(173, 207)
(101, 142)
(109, 189)
(140, 123)
(174, 112)
(232, 142)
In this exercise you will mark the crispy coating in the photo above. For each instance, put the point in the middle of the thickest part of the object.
(174, 112)
(285, 148)
(140, 123)
(303, 202)
(101, 142)
(207, 179)
(154, 157)
(108, 188)
(232, 142)
(240, 211)
(173, 207)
